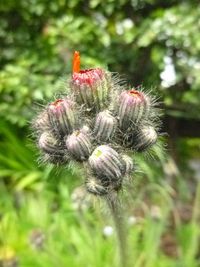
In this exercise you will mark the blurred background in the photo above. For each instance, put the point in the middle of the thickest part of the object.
(46, 218)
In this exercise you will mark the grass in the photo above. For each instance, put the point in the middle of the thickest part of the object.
(44, 223)
(75, 237)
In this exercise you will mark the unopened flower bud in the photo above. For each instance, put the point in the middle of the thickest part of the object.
(41, 123)
(146, 137)
(49, 143)
(56, 158)
(134, 106)
(79, 145)
(105, 126)
(62, 116)
(106, 163)
(95, 186)
(128, 164)
(85, 129)
(91, 87)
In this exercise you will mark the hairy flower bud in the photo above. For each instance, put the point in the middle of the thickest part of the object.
(56, 158)
(61, 115)
(129, 167)
(91, 88)
(48, 143)
(95, 186)
(146, 137)
(41, 123)
(106, 163)
(105, 126)
(79, 145)
(134, 106)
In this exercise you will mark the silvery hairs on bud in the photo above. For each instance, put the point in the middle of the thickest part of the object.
(48, 143)
(129, 166)
(96, 124)
(62, 116)
(56, 159)
(133, 107)
(106, 162)
(145, 138)
(41, 122)
(91, 88)
(95, 186)
(105, 126)
(79, 145)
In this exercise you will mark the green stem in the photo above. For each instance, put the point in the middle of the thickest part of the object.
(117, 214)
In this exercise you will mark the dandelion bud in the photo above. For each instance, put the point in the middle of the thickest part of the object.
(95, 186)
(134, 106)
(128, 164)
(106, 163)
(79, 145)
(105, 126)
(146, 137)
(62, 116)
(48, 143)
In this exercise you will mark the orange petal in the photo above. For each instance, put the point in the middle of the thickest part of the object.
(76, 62)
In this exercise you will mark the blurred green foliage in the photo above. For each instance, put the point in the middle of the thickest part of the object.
(137, 38)
(155, 43)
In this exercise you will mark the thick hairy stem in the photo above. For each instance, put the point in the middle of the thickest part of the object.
(117, 214)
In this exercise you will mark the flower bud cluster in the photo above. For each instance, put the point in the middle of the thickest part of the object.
(97, 124)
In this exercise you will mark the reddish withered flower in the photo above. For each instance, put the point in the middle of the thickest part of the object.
(90, 86)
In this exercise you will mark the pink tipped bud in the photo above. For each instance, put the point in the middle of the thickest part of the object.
(79, 145)
(91, 88)
(134, 106)
(105, 126)
(62, 116)
(48, 143)
(146, 137)
(106, 163)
